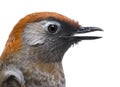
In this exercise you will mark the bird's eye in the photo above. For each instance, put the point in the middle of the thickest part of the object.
(52, 28)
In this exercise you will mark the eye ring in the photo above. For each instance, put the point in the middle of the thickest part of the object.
(52, 28)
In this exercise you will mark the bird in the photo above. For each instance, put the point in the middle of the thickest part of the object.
(34, 51)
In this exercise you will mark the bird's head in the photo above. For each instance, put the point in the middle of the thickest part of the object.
(46, 33)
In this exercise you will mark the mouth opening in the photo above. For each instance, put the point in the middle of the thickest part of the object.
(82, 31)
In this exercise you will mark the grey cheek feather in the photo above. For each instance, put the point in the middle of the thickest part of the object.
(33, 34)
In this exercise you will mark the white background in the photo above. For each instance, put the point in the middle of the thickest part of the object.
(90, 63)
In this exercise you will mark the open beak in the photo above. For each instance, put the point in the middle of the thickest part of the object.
(84, 30)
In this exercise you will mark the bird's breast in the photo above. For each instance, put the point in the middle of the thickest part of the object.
(44, 75)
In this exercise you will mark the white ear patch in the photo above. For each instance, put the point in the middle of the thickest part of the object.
(33, 34)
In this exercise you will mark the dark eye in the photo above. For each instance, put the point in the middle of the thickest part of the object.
(52, 28)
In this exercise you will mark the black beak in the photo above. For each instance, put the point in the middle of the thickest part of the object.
(88, 29)
(84, 30)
